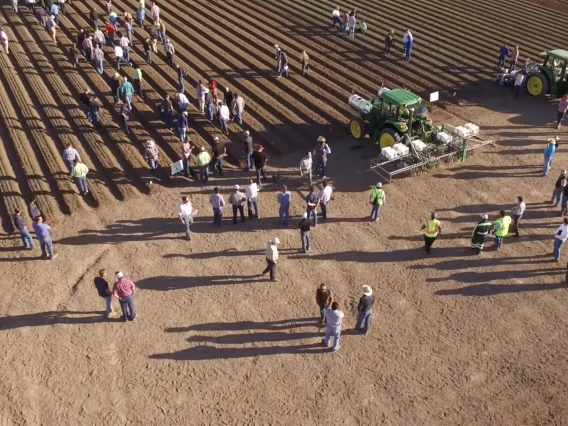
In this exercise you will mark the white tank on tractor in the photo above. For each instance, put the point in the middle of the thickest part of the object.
(360, 104)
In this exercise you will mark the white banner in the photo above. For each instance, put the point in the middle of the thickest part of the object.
(177, 167)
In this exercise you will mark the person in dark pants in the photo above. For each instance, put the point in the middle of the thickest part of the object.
(321, 151)
(324, 199)
(124, 289)
(219, 153)
(237, 200)
(217, 202)
(252, 199)
(33, 208)
(324, 299)
(365, 310)
(479, 235)
(259, 159)
(125, 115)
(312, 201)
(25, 235)
(248, 149)
(503, 53)
(518, 212)
(433, 228)
(271, 258)
(95, 112)
(304, 227)
(115, 83)
(168, 112)
(103, 289)
(147, 46)
(388, 42)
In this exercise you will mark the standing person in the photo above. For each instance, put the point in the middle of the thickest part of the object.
(284, 200)
(365, 310)
(209, 104)
(33, 208)
(127, 91)
(115, 84)
(99, 38)
(518, 85)
(248, 149)
(168, 112)
(125, 44)
(324, 199)
(306, 167)
(333, 319)
(408, 42)
(560, 237)
(186, 155)
(479, 234)
(335, 17)
(86, 99)
(70, 154)
(548, 154)
(88, 48)
(345, 22)
(224, 115)
(305, 60)
(433, 228)
(283, 71)
(252, 199)
(94, 18)
(377, 200)
(218, 203)
(228, 95)
(389, 38)
(110, 33)
(15, 5)
(312, 201)
(137, 80)
(259, 159)
(125, 116)
(321, 151)
(238, 107)
(4, 40)
(54, 10)
(147, 46)
(183, 124)
(141, 16)
(518, 212)
(103, 289)
(79, 173)
(501, 229)
(128, 26)
(200, 96)
(124, 290)
(20, 225)
(74, 53)
(151, 154)
(558, 187)
(351, 24)
(562, 107)
(213, 88)
(170, 52)
(155, 12)
(202, 160)
(514, 58)
(44, 236)
(304, 226)
(52, 27)
(278, 58)
(99, 57)
(237, 200)
(186, 213)
(271, 258)
(181, 74)
(113, 17)
(503, 53)
(183, 101)
(219, 153)
(324, 299)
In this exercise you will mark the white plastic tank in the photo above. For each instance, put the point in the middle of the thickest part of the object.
(360, 104)
(382, 90)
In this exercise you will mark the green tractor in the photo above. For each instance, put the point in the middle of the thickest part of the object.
(395, 116)
(551, 76)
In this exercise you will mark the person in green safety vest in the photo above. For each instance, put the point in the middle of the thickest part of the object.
(479, 235)
(433, 228)
(501, 228)
(377, 200)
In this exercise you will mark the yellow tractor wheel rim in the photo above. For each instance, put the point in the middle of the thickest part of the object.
(355, 129)
(386, 140)
(534, 85)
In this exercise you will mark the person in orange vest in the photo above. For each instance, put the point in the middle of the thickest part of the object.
(433, 228)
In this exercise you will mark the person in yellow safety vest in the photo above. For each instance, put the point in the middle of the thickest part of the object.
(479, 235)
(433, 228)
(377, 200)
(501, 229)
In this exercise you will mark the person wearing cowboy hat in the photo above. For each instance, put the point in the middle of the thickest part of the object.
(562, 108)
(271, 258)
(479, 235)
(321, 151)
(237, 200)
(151, 154)
(365, 309)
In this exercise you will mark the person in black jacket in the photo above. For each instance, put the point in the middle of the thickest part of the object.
(229, 99)
(259, 160)
(557, 193)
(365, 309)
(304, 226)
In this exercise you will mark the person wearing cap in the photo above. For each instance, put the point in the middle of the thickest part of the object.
(202, 160)
(562, 108)
(217, 202)
(124, 290)
(151, 154)
(251, 192)
(183, 124)
(304, 226)
(186, 213)
(312, 201)
(324, 199)
(479, 234)
(259, 160)
(284, 200)
(224, 115)
(170, 52)
(377, 200)
(127, 91)
(324, 299)
(248, 149)
(183, 101)
(103, 289)
(560, 237)
(558, 187)
(219, 153)
(306, 167)
(548, 154)
(365, 310)
(432, 229)
(321, 151)
(332, 317)
(237, 200)
(501, 229)
(79, 173)
(228, 95)
(519, 210)
(237, 108)
(70, 154)
(271, 258)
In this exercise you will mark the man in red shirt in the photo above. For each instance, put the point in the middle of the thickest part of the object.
(110, 32)
(124, 289)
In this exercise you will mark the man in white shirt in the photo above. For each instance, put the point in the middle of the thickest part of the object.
(4, 40)
(183, 101)
(170, 52)
(252, 198)
(560, 237)
(335, 17)
(271, 258)
(155, 11)
(306, 167)
(224, 115)
(99, 38)
(324, 199)
(186, 213)
(332, 317)
(518, 211)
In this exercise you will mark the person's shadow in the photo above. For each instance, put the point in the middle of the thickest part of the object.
(51, 318)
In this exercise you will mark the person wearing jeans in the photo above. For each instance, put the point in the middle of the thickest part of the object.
(202, 160)
(312, 201)
(562, 108)
(20, 225)
(124, 289)
(271, 258)
(79, 173)
(103, 289)
(560, 237)
(324, 199)
(548, 154)
(43, 235)
(284, 200)
(217, 202)
(237, 200)
(183, 124)
(332, 318)
(377, 200)
(259, 160)
(558, 188)
(186, 213)
(304, 227)
(365, 309)
(252, 199)
(518, 211)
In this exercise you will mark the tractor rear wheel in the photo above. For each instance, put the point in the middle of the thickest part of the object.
(357, 128)
(388, 137)
(537, 84)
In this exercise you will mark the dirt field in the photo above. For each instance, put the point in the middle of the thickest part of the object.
(456, 339)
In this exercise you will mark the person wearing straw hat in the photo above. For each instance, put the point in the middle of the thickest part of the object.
(479, 235)
(365, 309)
(271, 258)
(151, 154)
(321, 151)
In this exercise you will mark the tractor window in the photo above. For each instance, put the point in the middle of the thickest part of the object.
(557, 69)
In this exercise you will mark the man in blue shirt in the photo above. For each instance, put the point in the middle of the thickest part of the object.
(54, 10)
(141, 15)
(284, 199)
(42, 233)
(503, 53)
(312, 201)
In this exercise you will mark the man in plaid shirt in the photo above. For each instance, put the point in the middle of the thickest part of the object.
(124, 289)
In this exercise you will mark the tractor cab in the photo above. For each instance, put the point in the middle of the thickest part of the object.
(551, 75)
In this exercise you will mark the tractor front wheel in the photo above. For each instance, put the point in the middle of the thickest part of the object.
(388, 137)
(357, 128)
(537, 84)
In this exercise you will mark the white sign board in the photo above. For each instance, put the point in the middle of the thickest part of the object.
(177, 167)
(434, 96)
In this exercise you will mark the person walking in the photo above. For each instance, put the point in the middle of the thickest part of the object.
(351, 23)
(237, 200)
(229, 97)
(433, 228)
(155, 12)
(33, 208)
(278, 58)
(151, 154)
(44, 236)
(304, 226)
(95, 112)
(200, 89)
(125, 44)
(324, 199)
(88, 48)
(514, 58)
(305, 61)
(377, 200)
(224, 115)
(345, 22)
(74, 53)
(52, 27)
(284, 200)
(306, 167)
(219, 153)
(103, 290)
(408, 41)
(54, 11)
(271, 258)
(333, 317)
(283, 70)
(167, 110)
(562, 108)
(501, 229)
(321, 151)
(141, 16)
(259, 160)
(518, 212)
(312, 201)
(558, 188)
(186, 213)
(170, 52)
(99, 57)
(237, 107)
(218, 203)
(183, 125)
(324, 299)
(70, 154)
(137, 80)
(202, 160)
(248, 150)
(560, 237)
(124, 290)
(365, 310)
(162, 31)
(4, 40)
(110, 31)
(182, 101)
(548, 154)
(503, 53)
(79, 173)
(209, 105)
(181, 74)
(186, 155)
(127, 91)
(479, 234)
(125, 116)
(389, 39)
(20, 225)
(335, 18)
(251, 192)
(99, 38)
(147, 46)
